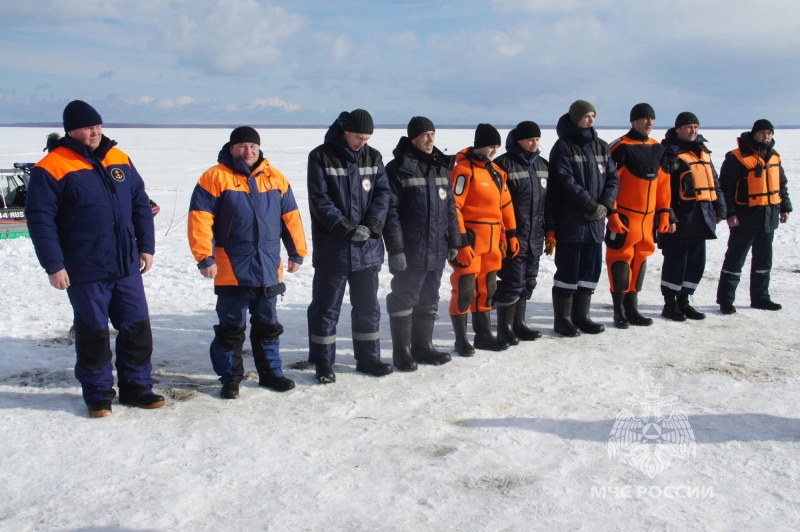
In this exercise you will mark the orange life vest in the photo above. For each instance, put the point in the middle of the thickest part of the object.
(762, 184)
(697, 183)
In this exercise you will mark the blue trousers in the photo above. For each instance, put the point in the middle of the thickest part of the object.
(123, 302)
(517, 277)
(328, 289)
(414, 289)
(684, 264)
(226, 348)
(740, 242)
(578, 265)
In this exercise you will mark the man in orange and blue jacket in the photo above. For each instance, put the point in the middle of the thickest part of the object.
(91, 224)
(241, 210)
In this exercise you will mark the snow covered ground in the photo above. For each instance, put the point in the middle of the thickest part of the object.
(517, 440)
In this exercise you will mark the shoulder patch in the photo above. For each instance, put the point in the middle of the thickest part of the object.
(461, 184)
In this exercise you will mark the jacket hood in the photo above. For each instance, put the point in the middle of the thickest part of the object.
(238, 166)
(748, 145)
(568, 131)
(674, 145)
(515, 149)
(335, 138)
(406, 148)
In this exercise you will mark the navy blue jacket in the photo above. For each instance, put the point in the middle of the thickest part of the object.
(422, 220)
(88, 212)
(696, 220)
(346, 189)
(528, 175)
(582, 174)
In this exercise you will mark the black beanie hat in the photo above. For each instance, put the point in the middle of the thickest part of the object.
(642, 110)
(245, 134)
(419, 125)
(686, 118)
(579, 109)
(486, 135)
(760, 125)
(79, 114)
(527, 130)
(359, 121)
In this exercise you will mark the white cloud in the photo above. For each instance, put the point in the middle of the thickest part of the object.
(403, 41)
(169, 103)
(274, 101)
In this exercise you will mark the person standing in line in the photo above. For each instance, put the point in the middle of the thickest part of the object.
(421, 233)
(91, 225)
(643, 204)
(485, 215)
(349, 198)
(240, 211)
(582, 189)
(698, 205)
(757, 200)
(527, 182)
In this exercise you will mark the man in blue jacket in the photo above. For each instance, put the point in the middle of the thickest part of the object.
(349, 196)
(92, 227)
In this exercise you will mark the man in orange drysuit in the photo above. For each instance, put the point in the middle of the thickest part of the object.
(643, 202)
(485, 212)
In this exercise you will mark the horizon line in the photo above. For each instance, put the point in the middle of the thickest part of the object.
(131, 125)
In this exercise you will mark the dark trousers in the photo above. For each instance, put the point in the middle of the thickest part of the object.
(740, 242)
(577, 265)
(414, 289)
(123, 302)
(684, 264)
(517, 277)
(226, 348)
(328, 289)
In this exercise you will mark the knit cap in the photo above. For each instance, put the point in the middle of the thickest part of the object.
(359, 121)
(79, 114)
(686, 118)
(245, 134)
(579, 109)
(527, 130)
(642, 110)
(762, 124)
(486, 135)
(419, 125)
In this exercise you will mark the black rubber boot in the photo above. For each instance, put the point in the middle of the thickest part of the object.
(620, 319)
(580, 313)
(324, 374)
(401, 343)
(484, 339)
(376, 367)
(671, 310)
(562, 315)
(505, 324)
(522, 331)
(422, 340)
(632, 310)
(462, 345)
(688, 310)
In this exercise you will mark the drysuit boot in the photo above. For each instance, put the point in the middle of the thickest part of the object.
(401, 343)
(422, 340)
(462, 345)
(632, 310)
(580, 313)
(484, 339)
(505, 324)
(620, 319)
(522, 331)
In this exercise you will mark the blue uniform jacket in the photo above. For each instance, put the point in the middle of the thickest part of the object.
(582, 174)
(346, 189)
(88, 212)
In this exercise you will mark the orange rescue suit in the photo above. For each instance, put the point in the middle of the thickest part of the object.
(762, 185)
(644, 192)
(483, 205)
(697, 183)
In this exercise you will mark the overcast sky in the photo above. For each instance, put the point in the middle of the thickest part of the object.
(460, 63)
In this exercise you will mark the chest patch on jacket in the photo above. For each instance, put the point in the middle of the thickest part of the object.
(118, 174)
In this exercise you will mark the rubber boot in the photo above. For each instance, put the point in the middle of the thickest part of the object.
(671, 310)
(632, 310)
(400, 327)
(505, 324)
(462, 345)
(620, 319)
(484, 339)
(688, 310)
(422, 340)
(580, 313)
(562, 315)
(522, 331)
